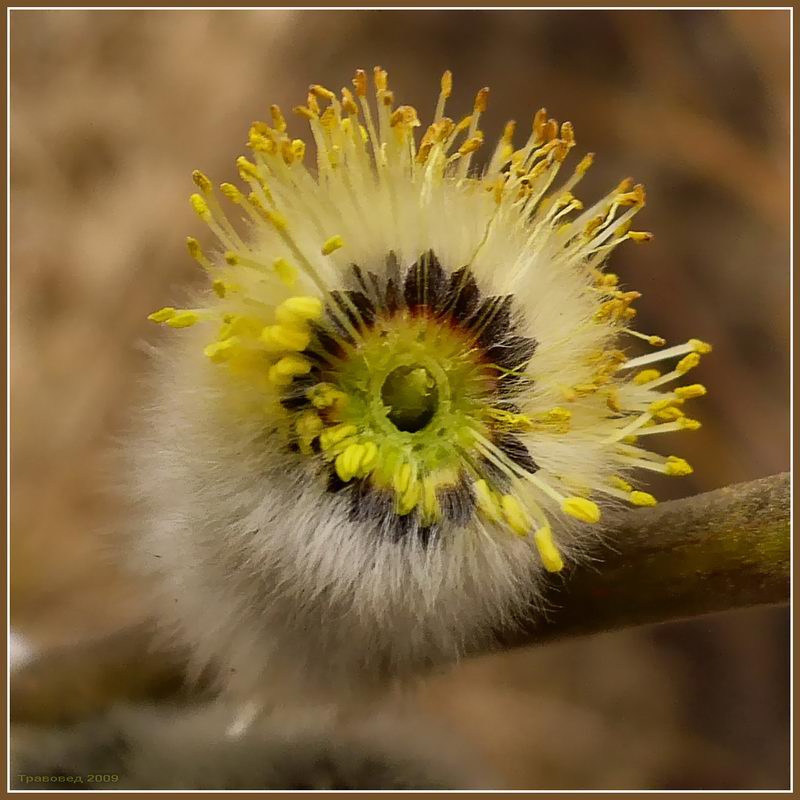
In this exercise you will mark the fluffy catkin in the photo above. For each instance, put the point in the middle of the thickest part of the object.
(405, 398)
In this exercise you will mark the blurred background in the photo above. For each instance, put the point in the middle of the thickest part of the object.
(111, 111)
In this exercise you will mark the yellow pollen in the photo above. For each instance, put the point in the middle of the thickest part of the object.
(645, 376)
(183, 319)
(200, 207)
(402, 477)
(162, 315)
(409, 499)
(700, 346)
(324, 395)
(621, 483)
(551, 558)
(348, 463)
(247, 170)
(332, 244)
(487, 502)
(231, 192)
(196, 252)
(581, 508)
(330, 437)
(221, 351)
(642, 499)
(299, 309)
(308, 424)
(688, 362)
(360, 82)
(481, 100)
(285, 337)
(691, 391)
(678, 466)
(285, 271)
(447, 83)
(514, 514)
(283, 371)
(202, 182)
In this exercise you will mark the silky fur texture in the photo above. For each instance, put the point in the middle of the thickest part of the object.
(259, 569)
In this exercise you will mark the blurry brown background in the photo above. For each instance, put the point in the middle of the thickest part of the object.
(110, 112)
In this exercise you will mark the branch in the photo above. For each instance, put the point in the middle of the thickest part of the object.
(716, 551)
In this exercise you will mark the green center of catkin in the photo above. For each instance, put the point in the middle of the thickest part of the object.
(412, 397)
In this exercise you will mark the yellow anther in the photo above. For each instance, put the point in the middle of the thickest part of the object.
(231, 258)
(196, 252)
(688, 362)
(183, 319)
(481, 100)
(486, 500)
(515, 515)
(221, 351)
(431, 509)
(512, 420)
(285, 337)
(691, 391)
(162, 315)
(282, 373)
(348, 102)
(330, 437)
(670, 413)
(360, 83)
(551, 558)
(278, 220)
(308, 425)
(406, 116)
(581, 508)
(298, 149)
(634, 197)
(408, 500)
(304, 111)
(640, 236)
(219, 287)
(539, 125)
(200, 207)
(247, 170)
(278, 120)
(472, 144)
(231, 192)
(402, 477)
(645, 376)
(299, 309)
(202, 182)
(621, 484)
(678, 466)
(447, 83)
(381, 77)
(689, 424)
(332, 244)
(585, 163)
(348, 463)
(613, 401)
(664, 403)
(642, 499)
(656, 341)
(700, 346)
(285, 271)
(324, 395)
(369, 458)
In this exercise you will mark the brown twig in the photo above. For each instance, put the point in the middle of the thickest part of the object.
(713, 552)
(717, 551)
